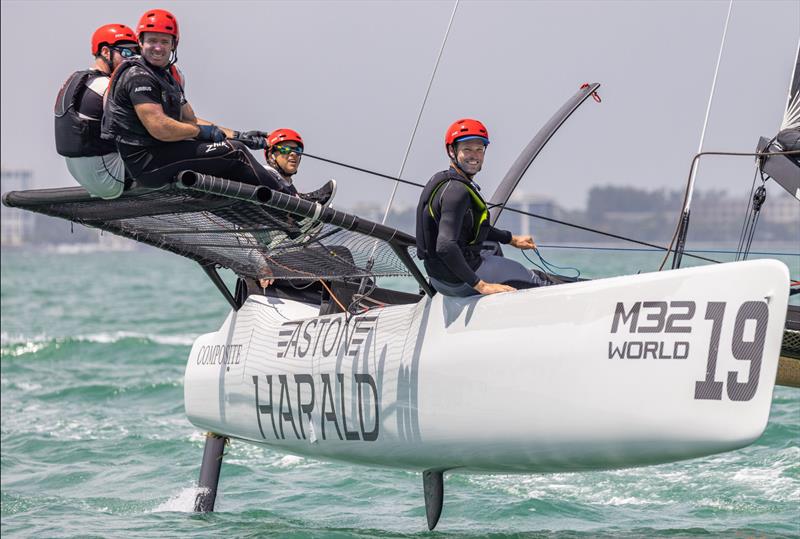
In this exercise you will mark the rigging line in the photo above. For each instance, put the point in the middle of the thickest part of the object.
(708, 108)
(557, 221)
(691, 167)
(746, 213)
(360, 169)
(608, 234)
(653, 250)
(421, 109)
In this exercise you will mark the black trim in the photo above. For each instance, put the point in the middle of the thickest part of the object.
(211, 271)
(520, 166)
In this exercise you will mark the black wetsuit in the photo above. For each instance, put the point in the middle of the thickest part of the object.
(154, 163)
(447, 241)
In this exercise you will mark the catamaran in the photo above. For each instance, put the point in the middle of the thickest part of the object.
(583, 375)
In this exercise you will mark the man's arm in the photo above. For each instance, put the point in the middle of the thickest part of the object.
(162, 127)
(454, 205)
(504, 236)
(188, 115)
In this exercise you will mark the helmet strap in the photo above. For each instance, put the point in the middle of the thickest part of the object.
(453, 154)
(108, 61)
(274, 163)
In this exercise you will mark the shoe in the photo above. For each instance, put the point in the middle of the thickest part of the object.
(324, 195)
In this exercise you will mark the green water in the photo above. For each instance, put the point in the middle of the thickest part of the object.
(95, 442)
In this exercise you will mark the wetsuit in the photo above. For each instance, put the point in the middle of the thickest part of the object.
(286, 185)
(92, 161)
(154, 163)
(452, 224)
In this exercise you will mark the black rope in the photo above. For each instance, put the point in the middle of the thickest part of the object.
(759, 155)
(747, 214)
(365, 170)
(514, 210)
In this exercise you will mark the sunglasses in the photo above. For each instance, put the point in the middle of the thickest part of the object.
(127, 52)
(286, 150)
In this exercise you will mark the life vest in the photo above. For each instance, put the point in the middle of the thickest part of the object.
(77, 136)
(427, 234)
(120, 121)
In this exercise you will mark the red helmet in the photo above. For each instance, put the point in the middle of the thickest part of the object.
(159, 20)
(111, 34)
(284, 135)
(466, 128)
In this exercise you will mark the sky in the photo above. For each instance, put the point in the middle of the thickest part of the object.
(351, 77)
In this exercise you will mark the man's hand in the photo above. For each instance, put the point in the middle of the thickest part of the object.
(523, 242)
(492, 288)
(211, 133)
(265, 282)
(255, 140)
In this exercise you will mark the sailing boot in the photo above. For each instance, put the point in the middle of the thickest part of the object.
(324, 195)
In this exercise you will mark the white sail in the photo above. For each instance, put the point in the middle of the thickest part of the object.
(791, 118)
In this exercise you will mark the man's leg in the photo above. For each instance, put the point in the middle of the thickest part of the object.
(460, 290)
(157, 165)
(498, 269)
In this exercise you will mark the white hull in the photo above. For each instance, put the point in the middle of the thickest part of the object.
(531, 381)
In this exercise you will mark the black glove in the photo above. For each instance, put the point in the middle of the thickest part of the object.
(255, 140)
(211, 133)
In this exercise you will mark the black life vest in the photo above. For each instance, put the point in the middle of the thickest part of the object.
(428, 214)
(77, 136)
(120, 121)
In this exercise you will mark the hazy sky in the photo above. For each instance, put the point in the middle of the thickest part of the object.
(351, 76)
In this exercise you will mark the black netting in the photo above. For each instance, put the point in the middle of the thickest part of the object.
(249, 238)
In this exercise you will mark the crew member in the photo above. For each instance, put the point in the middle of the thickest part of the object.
(92, 161)
(155, 128)
(283, 153)
(453, 223)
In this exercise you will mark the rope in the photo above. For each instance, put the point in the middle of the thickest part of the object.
(565, 223)
(547, 267)
(746, 215)
(333, 296)
(419, 116)
(719, 251)
(686, 193)
(708, 108)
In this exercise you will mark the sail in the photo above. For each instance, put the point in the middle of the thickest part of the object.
(791, 118)
(785, 169)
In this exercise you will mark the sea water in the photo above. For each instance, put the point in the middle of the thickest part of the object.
(95, 442)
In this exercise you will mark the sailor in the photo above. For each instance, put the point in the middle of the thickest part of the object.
(155, 128)
(453, 223)
(283, 153)
(93, 162)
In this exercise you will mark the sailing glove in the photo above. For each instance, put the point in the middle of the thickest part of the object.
(211, 133)
(255, 140)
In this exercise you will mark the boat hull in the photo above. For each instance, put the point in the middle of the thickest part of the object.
(609, 373)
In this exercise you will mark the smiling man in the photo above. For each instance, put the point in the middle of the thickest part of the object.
(453, 223)
(156, 129)
(283, 153)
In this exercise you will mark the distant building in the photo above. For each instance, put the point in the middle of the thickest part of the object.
(15, 225)
(531, 203)
(781, 207)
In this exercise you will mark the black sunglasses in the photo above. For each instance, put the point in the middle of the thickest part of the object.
(127, 52)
